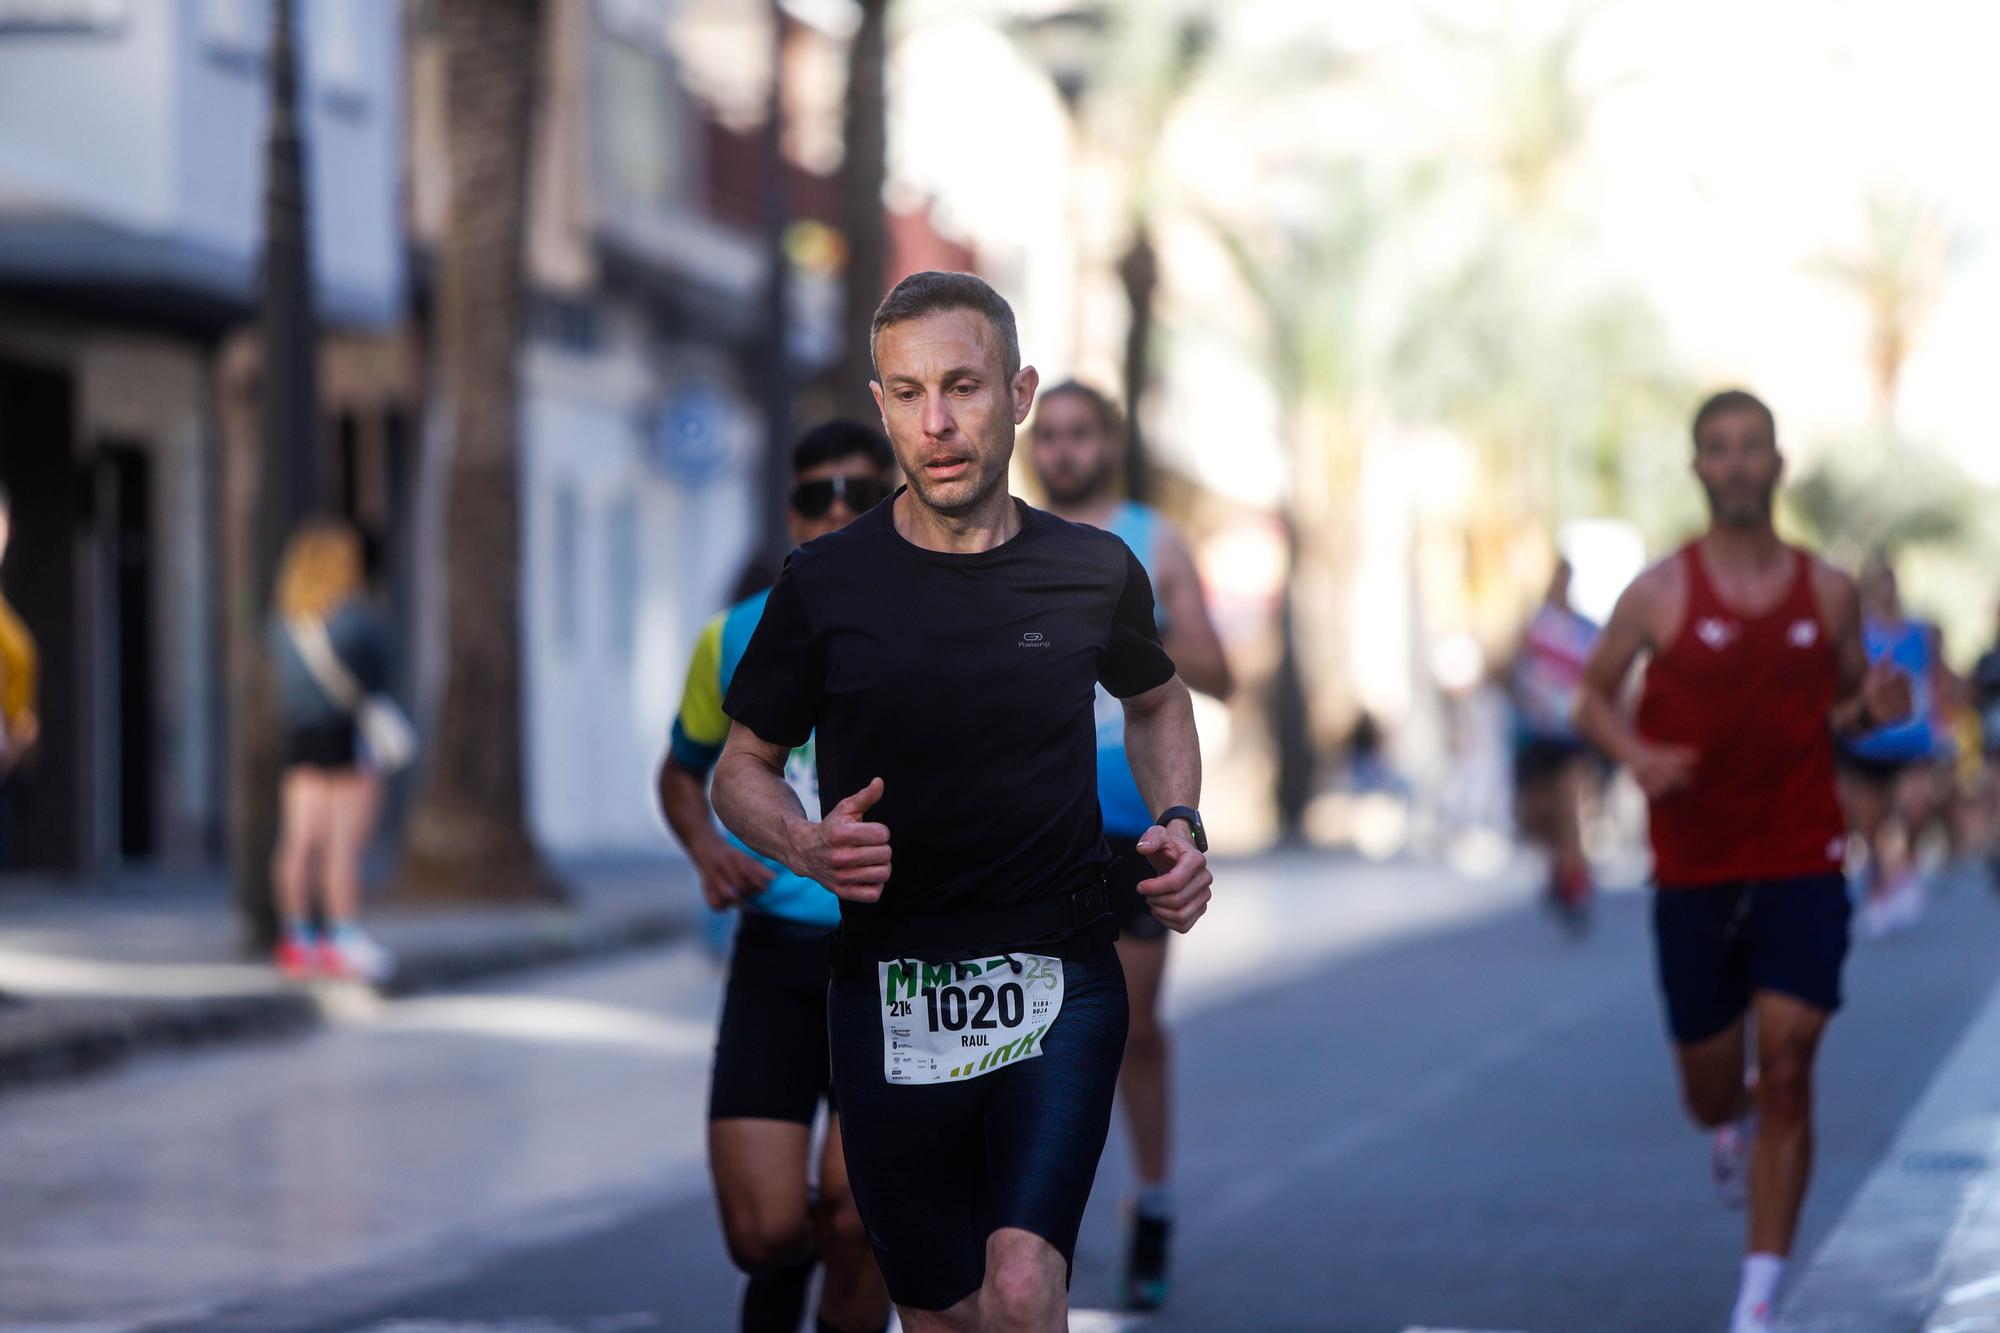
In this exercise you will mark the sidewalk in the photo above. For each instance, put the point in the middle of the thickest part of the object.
(93, 974)
(1919, 1247)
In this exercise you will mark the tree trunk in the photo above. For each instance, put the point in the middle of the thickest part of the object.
(863, 171)
(1139, 274)
(467, 837)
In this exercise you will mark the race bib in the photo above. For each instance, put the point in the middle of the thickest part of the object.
(948, 1022)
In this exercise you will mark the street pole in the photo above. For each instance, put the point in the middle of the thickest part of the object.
(287, 469)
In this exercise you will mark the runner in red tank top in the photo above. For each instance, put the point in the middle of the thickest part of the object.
(1755, 664)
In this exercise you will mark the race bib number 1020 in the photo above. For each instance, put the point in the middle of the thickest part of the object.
(948, 1022)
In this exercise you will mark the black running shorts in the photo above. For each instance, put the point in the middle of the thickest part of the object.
(770, 1052)
(938, 1168)
(1719, 944)
(1121, 882)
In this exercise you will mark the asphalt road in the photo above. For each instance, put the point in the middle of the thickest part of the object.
(1407, 1101)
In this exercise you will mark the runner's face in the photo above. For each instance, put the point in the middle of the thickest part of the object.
(1073, 454)
(1739, 465)
(804, 528)
(948, 407)
(1878, 589)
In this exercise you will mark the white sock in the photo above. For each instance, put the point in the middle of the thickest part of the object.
(1762, 1273)
(1155, 1201)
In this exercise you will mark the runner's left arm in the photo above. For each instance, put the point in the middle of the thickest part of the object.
(1165, 754)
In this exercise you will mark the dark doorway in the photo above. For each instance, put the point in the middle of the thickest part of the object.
(125, 500)
(44, 799)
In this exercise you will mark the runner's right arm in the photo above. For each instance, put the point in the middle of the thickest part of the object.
(844, 851)
(728, 877)
(1658, 769)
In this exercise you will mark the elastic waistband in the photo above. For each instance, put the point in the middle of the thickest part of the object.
(961, 935)
(783, 929)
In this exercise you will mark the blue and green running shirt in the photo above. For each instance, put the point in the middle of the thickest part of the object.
(702, 727)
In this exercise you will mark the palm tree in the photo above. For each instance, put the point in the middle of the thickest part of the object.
(467, 835)
(1310, 280)
(1898, 276)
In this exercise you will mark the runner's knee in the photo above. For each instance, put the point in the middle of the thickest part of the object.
(761, 1238)
(1784, 1091)
(1146, 1038)
(1024, 1286)
(1714, 1103)
(841, 1234)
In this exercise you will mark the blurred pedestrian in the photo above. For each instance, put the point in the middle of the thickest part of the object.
(1552, 763)
(771, 1072)
(340, 736)
(20, 666)
(1894, 779)
(1985, 689)
(1756, 665)
(1077, 449)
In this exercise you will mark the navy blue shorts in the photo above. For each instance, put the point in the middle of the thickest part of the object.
(937, 1168)
(1718, 944)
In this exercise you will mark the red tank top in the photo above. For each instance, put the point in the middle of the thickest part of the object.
(1750, 694)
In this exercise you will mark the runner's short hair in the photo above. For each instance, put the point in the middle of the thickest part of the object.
(831, 441)
(1732, 400)
(933, 292)
(1109, 419)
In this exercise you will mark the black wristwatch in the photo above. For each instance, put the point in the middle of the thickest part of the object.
(1192, 816)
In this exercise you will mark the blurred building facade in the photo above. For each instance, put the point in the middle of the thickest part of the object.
(131, 141)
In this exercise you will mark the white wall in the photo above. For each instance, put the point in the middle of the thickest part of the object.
(604, 678)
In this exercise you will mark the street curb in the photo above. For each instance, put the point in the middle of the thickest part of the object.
(1919, 1234)
(45, 1039)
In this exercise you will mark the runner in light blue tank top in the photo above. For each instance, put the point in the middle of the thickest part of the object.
(1077, 446)
(1125, 811)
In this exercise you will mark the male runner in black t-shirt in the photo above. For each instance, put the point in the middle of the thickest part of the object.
(945, 649)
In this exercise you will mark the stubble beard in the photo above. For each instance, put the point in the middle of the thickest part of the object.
(983, 487)
(1745, 516)
(1090, 488)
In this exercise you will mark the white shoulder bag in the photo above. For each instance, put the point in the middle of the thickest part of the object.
(388, 739)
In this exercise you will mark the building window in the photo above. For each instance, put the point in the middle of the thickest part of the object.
(568, 589)
(622, 577)
(643, 155)
(336, 50)
(236, 31)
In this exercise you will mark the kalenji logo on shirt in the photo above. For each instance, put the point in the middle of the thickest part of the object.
(1717, 634)
(1803, 633)
(1034, 639)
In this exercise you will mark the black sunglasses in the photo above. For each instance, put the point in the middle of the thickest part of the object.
(814, 498)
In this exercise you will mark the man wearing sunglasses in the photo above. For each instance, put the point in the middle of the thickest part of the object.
(771, 1051)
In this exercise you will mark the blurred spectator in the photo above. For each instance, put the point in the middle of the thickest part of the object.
(1893, 778)
(1369, 771)
(1985, 688)
(1551, 761)
(20, 728)
(331, 652)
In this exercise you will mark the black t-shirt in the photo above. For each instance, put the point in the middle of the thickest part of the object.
(965, 682)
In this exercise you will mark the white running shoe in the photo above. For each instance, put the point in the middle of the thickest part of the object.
(350, 952)
(1729, 1162)
(1756, 1319)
